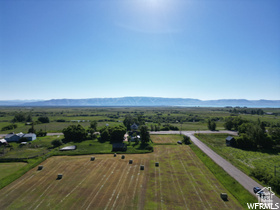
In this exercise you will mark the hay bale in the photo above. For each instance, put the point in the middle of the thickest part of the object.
(115, 155)
(59, 176)
(92, 158)
(142, 167)
(130, 161)
(224, 196)
(157, 164)
(123, 156)
(40, 168)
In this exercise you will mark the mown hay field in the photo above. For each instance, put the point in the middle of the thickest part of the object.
(180, 182)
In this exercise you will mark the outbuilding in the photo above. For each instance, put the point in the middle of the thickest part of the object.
(119, 147)
(230, 141)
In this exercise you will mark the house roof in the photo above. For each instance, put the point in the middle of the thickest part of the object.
(229, 138)
(9, 135)
(134, 126)
(29, 135)
(3, 141)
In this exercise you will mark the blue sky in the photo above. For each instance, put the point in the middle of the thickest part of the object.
(164, 48)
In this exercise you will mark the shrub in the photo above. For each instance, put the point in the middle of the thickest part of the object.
(44, 119)
(9, 127)
(261, 174)
(275, 184)
(56, 143)
(187, 140)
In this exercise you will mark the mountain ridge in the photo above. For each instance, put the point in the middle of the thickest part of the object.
(143, 101)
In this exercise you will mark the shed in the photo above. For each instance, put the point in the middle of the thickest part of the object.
(230, 141)
(119, 147)
(3, 141)
(30, 136)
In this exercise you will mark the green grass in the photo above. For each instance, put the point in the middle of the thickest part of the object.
(242, 159)
(38, 147)
(10, 168)
(18, 173)
(97, 147)
(236, 189)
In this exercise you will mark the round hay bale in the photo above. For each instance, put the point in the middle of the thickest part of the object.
(142, 167)
(40, 168)
(92, 158)
(123, 156)
(59, 176)
(130, 161)
(157, 164)
(115, 155)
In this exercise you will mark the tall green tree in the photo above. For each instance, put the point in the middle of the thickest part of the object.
(19, 117)
(93, 125)
(144, 134)
(75, 133)
(211, 125)
(117, 134)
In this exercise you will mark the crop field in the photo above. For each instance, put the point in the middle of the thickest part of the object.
(180, 182)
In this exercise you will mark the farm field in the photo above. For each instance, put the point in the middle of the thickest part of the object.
(9, 168)
(180, 182)
(166, 139)
(243, 159)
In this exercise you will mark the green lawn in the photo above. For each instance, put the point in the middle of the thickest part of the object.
(9, 168)
(243, 159)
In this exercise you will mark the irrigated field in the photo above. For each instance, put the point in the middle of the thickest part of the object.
(181, 181)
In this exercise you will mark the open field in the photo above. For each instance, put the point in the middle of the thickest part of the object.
(9, 168)
(181, 181)
(243, 159)
(166, 139)
(187, 118)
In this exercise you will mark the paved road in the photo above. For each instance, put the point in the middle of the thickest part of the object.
(247, 182)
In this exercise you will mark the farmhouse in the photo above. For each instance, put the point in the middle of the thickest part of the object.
(230, 141)
(134, 127)
(12, 137)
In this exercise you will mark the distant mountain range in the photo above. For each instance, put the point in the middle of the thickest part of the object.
(144, 101)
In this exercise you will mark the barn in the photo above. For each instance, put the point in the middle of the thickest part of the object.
(119, 147)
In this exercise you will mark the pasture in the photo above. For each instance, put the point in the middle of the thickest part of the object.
(245, 160)
(9, 168)
(180, 182)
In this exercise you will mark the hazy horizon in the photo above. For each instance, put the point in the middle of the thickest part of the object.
(205, 50)
(138, 97)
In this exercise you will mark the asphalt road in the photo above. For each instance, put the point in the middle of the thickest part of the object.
(247, 182)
